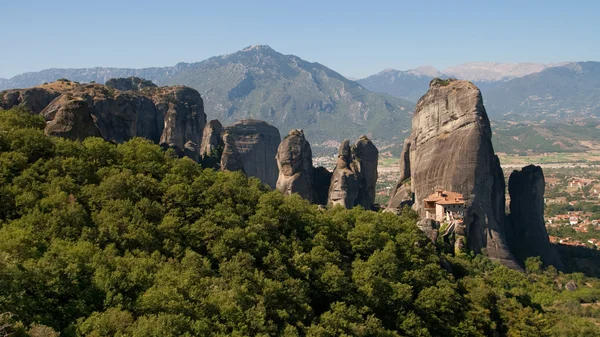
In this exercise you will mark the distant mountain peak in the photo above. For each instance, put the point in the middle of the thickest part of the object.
(388, 70)
(425, 71)
(419, 71)
(257, 47)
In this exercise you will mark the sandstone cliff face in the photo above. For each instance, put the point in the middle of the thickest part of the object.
(355, 175)
(343, 189)
(450, 148)
(231, 160)
(184, 117)
(34, 99)
(170, 116)
(256, 143)
(294, 160)
(212, 143)
(321, 182)
(402, 193)
(368, 157)
(526, 232)
(69, 118)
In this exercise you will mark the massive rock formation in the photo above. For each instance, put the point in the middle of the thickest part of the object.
(450, 148)
(402, 193)
(170, 116)
(256, 143)
(321, 182)
(34, 99)
(294, 160)
(184, 117)
(368, 157)
(69, 117)
(231, 160)
(343, 189)
(212, 143)
(355, 175)
(526, 230)
(352, 183)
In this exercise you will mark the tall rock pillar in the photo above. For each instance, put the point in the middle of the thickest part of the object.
(450, 148)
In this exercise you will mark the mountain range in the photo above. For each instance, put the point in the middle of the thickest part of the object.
(284, 90)
(525, 92)
(289, 92)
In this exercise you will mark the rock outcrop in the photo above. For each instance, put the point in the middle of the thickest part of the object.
(430, 228)
(256, 143)
(321, 182)
(171, 116)
(402, 194)
(526, 234)
(294, 160)
(450, 148)
(212, 144)
(184, 117)
(355, 175)
(34, 99)
(367, 156)
(231, 160)
(130, 83)
(69, 118)
(343, 189)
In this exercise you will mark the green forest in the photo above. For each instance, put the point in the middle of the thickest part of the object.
(99, 239)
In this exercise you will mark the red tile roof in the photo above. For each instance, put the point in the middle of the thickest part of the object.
(445, 198)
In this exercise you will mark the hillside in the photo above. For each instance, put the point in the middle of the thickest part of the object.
(564, 92)
(522, 138)
(289, 92)
(99, 239)
(411, 84)
(570, 92)
(408, 85)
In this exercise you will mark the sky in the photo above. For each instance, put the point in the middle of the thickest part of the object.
(354, 38)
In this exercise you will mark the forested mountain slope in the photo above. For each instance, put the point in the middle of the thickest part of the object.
(98, 239)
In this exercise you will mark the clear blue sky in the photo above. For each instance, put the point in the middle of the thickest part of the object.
(355, 38)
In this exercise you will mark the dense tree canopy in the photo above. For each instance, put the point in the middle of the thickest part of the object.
(98, 239)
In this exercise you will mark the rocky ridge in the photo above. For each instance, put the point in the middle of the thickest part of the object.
(170, 116)
(352, 182)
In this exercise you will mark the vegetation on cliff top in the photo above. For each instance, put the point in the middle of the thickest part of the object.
(98, 239)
